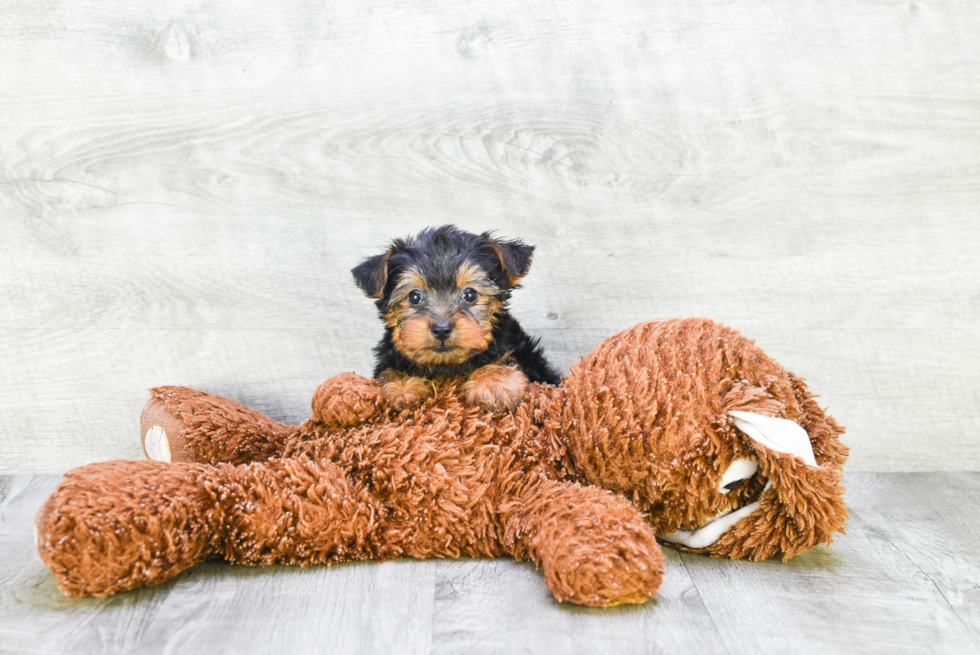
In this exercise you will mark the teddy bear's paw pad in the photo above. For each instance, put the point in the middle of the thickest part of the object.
(156, 444)
(162, 431)
(496, 388)
(779, 434)
(639, 599)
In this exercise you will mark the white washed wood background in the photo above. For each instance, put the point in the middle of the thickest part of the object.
(184, 187)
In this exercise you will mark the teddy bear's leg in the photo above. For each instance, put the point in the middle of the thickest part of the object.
(594, 546)
(184, 425)
(295, 511)
(124, 524)
(118, 525)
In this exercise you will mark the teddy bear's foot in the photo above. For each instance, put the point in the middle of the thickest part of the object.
(496, 388)
(595, 548)
(124, 524)
(184, 425)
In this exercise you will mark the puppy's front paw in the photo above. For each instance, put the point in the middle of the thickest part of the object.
(496, 388)
(402, 391)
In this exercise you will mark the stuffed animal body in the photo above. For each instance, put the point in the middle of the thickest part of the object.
(682, 430)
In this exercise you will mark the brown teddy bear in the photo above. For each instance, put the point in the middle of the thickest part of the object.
(681, 429)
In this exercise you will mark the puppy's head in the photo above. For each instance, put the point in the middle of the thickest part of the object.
(442, 291)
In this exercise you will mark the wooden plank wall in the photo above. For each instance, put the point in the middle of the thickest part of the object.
(184, 187)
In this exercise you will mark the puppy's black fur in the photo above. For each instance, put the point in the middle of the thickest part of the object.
(436, 265)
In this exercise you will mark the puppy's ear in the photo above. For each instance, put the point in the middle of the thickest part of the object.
(515, 257)
(372, 274)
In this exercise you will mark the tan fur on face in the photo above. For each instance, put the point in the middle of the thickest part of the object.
(398, 307)
(474, 276)
(496, 388)
(472, 335)
(414, 334)
(414, 340)
(402, 391)
(472, 328)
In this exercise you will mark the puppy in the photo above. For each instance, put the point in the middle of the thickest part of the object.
(442, 295)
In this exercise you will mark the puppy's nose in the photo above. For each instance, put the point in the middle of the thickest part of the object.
(441, 330)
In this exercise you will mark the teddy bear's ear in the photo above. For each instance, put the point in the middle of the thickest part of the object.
(515, 257)
(372, 274)
(779, 434)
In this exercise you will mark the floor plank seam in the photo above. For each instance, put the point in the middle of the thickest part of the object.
(952, 608)
(707, 610)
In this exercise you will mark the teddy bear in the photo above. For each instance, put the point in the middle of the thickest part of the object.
(677, 431)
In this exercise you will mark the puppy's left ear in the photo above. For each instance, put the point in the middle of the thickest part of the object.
(371, 275)
(515, 257)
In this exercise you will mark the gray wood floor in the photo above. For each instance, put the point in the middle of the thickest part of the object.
(905, 579)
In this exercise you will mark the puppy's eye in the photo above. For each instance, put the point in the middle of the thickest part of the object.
(470, 295)
(415, 298)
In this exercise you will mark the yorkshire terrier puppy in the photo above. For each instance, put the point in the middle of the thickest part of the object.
(443, 297)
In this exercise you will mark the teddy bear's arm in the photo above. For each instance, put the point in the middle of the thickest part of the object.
(186, 425)
(179, 424)
(347, 400)
(594, 546)
(124, 524)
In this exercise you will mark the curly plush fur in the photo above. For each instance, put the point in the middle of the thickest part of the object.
(643, 418)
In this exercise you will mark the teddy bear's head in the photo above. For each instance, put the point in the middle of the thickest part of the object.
(723, 449)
